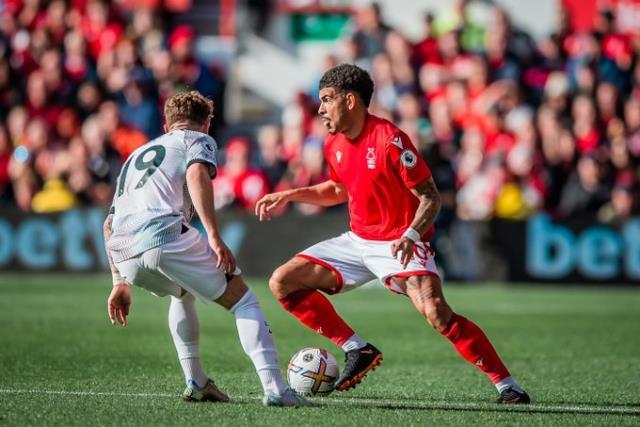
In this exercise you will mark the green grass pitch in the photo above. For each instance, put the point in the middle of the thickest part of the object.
(575, 349)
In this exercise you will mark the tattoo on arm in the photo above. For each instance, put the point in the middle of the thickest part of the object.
(106, 230)
(429, 206)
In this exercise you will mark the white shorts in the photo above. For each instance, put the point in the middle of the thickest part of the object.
(187, 263)
(356, 261)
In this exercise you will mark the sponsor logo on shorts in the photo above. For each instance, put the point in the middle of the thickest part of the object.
(421, 254)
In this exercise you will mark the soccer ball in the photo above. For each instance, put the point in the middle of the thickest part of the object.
(313, 371)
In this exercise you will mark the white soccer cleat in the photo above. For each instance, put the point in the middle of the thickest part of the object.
(288, 398)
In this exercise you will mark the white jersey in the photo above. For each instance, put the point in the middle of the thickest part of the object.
(151, 201)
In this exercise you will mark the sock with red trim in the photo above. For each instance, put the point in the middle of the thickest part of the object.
(474, 346)
(315, 311)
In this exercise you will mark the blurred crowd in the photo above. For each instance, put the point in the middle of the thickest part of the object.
(82, 83)
(509, 125)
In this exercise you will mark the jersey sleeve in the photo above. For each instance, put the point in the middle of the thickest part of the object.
(406, 161)
(333, 176)
(203, 149)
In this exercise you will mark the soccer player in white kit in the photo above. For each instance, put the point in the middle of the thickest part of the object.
(150, 244)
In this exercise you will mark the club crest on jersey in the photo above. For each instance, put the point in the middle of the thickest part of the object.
(408, 159)
(371, 157)
(338, 156)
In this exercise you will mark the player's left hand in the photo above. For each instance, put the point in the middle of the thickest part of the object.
(226, 260)
(118, 304)
(404, 246)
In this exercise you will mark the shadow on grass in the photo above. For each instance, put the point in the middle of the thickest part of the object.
(537, 402)
(587, 408)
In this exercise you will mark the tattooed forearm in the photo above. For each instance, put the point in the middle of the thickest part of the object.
(429, 205)
(106, 231)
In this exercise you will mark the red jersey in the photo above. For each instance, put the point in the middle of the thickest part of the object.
(378, 169)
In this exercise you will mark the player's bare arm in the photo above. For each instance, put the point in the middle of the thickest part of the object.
(106, 232)
(119, 300)
(429, 206)
(328, 193)
(201, 192)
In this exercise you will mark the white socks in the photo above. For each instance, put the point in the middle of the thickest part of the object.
(353, 343)
(257, 342)
(185, 330)
(253, 330)
(506, 383)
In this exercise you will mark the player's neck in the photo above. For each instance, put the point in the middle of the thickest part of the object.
(186, 125)
(355, 130)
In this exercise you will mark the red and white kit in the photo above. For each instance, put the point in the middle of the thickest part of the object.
(378, 169)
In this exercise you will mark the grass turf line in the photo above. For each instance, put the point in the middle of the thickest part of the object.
(324, 401)
(574, 349)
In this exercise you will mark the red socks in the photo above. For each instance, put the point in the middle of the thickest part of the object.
(315, 311)
(474, 346)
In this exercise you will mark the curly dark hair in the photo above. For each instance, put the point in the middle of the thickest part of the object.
(349, 78)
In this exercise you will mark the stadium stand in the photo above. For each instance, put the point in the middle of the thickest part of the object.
(509, 124)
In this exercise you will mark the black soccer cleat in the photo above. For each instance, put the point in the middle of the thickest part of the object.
(358, 363)
(513, 397)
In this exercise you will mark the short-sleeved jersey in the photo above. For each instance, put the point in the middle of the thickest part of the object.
(151, 200)
(378, 169)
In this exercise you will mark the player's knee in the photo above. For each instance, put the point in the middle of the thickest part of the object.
(438, 313)
(187, 297)
(248, 301)
(278, 282)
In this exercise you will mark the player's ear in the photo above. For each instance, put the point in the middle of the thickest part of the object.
(351, 100)
(165, 127)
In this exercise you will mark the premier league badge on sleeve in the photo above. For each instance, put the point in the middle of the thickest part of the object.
(408, 159)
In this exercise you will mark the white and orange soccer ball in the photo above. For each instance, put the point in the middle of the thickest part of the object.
(312, 372)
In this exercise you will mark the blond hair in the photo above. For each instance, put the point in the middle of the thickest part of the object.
(187, 106)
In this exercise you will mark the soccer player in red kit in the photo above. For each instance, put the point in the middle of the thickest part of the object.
(393, 203)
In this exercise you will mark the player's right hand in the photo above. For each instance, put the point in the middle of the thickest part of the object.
(226, 260)
(404, 247)
(118, 304)
(268, 203)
